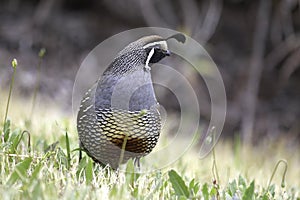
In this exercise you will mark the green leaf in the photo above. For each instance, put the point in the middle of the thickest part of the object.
(265, 197)
(182, 198)
(89, 171)
(130, 166)
(6, 130)
(61, 158)
(68, 150)
(20, 172)
(113, 191)
(143, 112)
(14, 140)
(213, 192)
(249, 193)
(242, 182)
(232, 188)
(194, 187)
(35, 173)
(131, 175)
(272, 190)
(81, 166)
(37, 190)
(192, 184)
(135, 192)
(205, 192)
(178, 184)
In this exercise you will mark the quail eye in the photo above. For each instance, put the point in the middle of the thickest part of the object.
(156, 50)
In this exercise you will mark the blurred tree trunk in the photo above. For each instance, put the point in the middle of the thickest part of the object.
(255, 69)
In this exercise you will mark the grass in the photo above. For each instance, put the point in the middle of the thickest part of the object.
(48, 166)
(14, 64)
(37, 84)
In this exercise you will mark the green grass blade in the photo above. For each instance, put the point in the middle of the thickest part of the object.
(249, 192)
(205, 192)
(35, 173)
(232, 188)
(178, 184)
(131, 175)
(89, 171)
(81, 167)
(20, 171)
(242, 182)
(6, 130)
(68, 150)
(14, 140)
(14, 65)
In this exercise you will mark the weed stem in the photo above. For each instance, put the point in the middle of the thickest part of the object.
(275, 170)
(14, 65)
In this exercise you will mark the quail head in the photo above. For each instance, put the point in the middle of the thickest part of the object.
(118, 117)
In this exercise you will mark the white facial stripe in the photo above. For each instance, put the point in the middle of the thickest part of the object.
(150, 56)
(162, 43)
(148, 59)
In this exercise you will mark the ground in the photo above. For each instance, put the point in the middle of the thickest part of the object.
(46, 169)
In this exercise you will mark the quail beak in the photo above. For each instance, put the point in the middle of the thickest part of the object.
(167, 53)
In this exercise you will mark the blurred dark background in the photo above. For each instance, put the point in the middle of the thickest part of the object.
(256, 45)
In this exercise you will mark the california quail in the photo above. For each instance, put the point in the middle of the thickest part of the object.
(118, 117)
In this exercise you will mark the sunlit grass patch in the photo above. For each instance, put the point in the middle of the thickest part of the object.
(49, 167)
